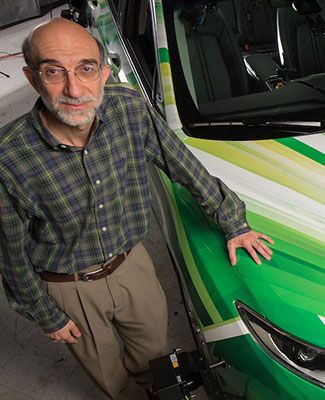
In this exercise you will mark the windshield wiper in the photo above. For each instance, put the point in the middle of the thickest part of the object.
(233, 130)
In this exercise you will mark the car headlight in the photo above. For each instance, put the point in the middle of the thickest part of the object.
(300, 357)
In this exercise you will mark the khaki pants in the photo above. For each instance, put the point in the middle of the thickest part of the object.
(123, 322)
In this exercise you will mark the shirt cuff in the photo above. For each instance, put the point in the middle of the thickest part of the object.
(49, 317)
(238, 229)
(50, 327)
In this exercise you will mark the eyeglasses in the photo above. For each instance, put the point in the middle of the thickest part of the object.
(84, 73)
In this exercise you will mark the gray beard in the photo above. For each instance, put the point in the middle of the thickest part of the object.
(73, 117)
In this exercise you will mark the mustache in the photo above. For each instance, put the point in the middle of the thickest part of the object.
(71, 100)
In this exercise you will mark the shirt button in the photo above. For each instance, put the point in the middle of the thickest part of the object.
(98, 182)
(101, 206)
(104, 229)
(63, 146)
(110, 255)
(85, 152)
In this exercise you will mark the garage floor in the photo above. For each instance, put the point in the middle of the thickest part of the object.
(32, 367)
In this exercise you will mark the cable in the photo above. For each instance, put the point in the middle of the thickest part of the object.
(7, 55)
(2, 73)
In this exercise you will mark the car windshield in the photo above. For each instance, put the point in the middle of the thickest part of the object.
(248, 61)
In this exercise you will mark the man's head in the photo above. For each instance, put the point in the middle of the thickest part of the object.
(65, 64)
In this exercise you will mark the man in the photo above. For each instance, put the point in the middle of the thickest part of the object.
(75, 205)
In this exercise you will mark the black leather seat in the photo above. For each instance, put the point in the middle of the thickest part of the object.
(257, 24)
(211, 83)
(301, 40)
(217, 67)
(253, 23)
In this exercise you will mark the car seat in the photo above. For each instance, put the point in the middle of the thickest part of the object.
(253, 23)
(216, 65)
(302, 39)
(256, 24)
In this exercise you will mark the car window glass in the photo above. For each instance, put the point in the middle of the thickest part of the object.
(143, 47)
(247, 60)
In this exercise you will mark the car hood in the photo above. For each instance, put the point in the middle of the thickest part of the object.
(282, 184)
(289, 293)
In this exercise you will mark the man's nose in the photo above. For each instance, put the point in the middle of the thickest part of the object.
(73, 86)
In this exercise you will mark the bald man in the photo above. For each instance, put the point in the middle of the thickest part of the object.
(75, 205)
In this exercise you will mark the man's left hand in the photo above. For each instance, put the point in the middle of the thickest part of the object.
(252, 243)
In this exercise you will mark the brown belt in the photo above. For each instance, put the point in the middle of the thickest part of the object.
(106, 269)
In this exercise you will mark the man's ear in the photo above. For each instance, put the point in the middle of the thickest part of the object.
(106, 71)
(30, 76)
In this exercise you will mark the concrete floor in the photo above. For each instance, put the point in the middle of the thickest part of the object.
(32, 367)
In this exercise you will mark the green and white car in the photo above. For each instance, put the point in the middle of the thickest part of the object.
(243, 85)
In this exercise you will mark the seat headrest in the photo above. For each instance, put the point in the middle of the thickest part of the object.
(195, 15)
(195, 11)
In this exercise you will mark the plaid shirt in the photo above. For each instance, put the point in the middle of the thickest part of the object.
(64, 208)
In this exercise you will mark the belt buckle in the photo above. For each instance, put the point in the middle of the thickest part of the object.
(108, 262)
(86, 277)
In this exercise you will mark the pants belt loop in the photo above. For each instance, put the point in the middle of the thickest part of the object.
(76, 277)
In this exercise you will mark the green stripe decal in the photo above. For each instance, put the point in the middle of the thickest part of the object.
(304, 149)
(288, 240)
(159, 12)
(132, 79)
(191, 265)
(163, 55)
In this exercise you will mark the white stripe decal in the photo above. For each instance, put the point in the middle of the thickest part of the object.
(322, 319)
(315, 141)
(227, 331)
(298, 211)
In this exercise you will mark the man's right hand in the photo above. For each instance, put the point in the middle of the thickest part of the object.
(68, 334)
